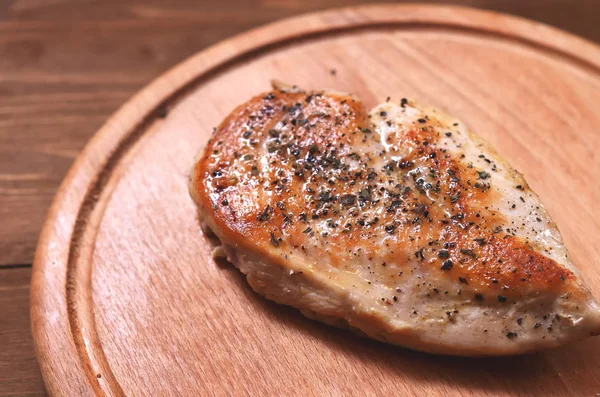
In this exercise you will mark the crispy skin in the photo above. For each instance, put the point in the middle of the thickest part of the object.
(398, 222)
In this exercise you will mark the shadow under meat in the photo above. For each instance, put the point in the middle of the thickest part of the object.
(529, 374)
(544, 373)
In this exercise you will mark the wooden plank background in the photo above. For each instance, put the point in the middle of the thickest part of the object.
(66, 65)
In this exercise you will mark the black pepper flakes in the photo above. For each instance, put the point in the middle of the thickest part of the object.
(325, 196)
(419, 254)
(273, 240)
(348, 199)
(468, 252)
(483, 174)
(447, 265)
(364, 194)
(264, 215)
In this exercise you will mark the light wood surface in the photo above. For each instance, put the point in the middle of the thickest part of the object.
(66, 65)
(16, 353)
(146, 311)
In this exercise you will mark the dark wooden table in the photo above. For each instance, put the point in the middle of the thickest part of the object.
(66, 65)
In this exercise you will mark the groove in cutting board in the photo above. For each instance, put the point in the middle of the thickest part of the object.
(83, 341)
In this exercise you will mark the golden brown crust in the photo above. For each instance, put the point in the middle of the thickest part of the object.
(281, 163)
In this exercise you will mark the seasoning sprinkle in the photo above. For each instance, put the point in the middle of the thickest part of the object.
(447, 265)
(483, 174)
(264, 215)
(274, 240)
(468, 252)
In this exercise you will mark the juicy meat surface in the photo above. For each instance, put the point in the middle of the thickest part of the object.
(398, 223)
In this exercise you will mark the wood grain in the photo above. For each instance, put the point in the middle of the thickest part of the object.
(73, 63)
(147, 312)
(19, 374)
(66, 65)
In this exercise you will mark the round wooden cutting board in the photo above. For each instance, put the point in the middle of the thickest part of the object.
(126, 299)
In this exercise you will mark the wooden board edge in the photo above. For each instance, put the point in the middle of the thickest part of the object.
(49, 281)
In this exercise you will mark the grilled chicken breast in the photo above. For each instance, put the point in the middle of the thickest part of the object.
(398, 223)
